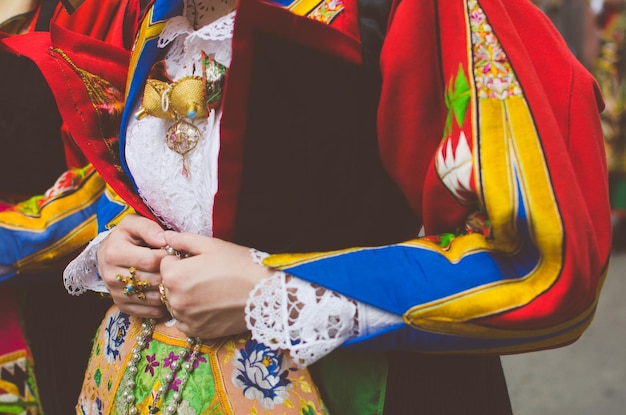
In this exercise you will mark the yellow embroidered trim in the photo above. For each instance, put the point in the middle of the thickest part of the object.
(303, 7)
(113, 197)
(56, 210)
(149, 30)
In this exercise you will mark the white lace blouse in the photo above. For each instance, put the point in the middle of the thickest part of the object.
(325, 319)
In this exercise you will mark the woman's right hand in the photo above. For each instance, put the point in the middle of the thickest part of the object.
(135, 242)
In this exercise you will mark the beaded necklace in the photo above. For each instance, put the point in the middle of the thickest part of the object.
(129, 382)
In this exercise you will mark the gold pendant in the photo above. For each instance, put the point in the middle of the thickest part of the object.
(182, 137)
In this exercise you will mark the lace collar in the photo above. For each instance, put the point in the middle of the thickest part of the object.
(210, 38)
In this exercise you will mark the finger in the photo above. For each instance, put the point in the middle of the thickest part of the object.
(128, 255)
(153, 298)
(131, 275)
(178, 277)
(144, 231)
(167, 263)
(186, 242)
(185, 328)
(172, 268)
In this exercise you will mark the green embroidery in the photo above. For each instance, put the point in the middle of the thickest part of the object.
(308, 410)
(98, 376)
(457, 98)
(446, 238)
(31, 206)
(199, 392)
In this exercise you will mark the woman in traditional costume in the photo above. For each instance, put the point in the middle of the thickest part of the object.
(365, 204)
(610, 70)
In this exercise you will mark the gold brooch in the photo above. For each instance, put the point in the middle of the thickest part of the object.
(183, 101)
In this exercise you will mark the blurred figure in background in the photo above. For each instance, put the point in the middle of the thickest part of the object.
(595, 31)
(575, 20)
(39, 323)
(610, 70)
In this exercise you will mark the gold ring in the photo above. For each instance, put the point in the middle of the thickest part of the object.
(132, 285)
(163, 295)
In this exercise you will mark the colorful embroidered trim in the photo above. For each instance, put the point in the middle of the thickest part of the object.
(324, 11)
(44, 229)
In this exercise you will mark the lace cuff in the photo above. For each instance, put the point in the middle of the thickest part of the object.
(284, 312)
(81, 274)
(291, 314)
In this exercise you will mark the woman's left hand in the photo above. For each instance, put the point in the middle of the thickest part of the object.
(207, 291)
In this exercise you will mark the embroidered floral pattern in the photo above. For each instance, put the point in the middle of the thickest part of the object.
(151, 363)
(258, 373)
(171, 358)
(327, 11)
(199, 359)
(176, 383)
(115, 335)
(262, 375)
(493, 73)
(67, 183)
(493, 79)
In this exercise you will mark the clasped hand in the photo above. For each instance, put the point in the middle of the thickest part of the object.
(206, 292)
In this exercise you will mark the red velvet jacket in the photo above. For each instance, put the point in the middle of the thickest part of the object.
(485, 123)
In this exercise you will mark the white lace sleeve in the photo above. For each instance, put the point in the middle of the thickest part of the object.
(284, 312)
(81, 274)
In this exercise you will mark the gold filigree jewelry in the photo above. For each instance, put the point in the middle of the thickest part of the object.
(182, 137)
(163, 293)
(188, 99)
(151, 103)
(132, 285)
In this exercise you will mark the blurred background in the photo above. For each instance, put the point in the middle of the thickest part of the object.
(585, 378)
(589, 376)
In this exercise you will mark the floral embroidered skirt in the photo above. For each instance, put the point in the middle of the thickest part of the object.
(233, 375)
